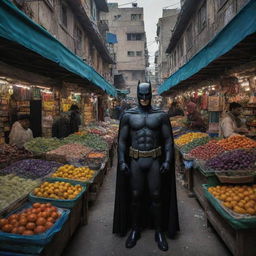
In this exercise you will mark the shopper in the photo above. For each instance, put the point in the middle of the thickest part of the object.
(194, 118)
(175, 110)
(145, 189)
(20, 132)
(75, 119)
(231, 124)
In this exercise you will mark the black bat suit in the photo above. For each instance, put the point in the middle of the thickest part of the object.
(145, 189)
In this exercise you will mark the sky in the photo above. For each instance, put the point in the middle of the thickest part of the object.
(152, 12)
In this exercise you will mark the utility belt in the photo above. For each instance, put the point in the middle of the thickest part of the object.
(135, 153)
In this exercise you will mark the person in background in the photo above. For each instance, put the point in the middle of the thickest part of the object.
(20, 132)
(75, 119)
(175, 110)
(231, 124)
(195, 120)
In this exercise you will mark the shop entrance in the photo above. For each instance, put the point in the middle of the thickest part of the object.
(36, 117)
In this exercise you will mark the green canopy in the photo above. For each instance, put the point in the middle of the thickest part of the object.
(17, 27)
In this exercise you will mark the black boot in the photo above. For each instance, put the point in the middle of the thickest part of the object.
(132, 238)
(161, 241)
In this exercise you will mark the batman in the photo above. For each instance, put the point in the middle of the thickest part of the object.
(145, 185)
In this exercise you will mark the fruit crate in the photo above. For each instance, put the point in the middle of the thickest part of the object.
(69, 203)
(236, 177)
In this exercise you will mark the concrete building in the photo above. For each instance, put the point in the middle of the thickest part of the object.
(165, 27)
(77, 25)
(131, 53)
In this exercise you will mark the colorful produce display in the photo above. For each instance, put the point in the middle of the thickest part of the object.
(186, 138)
(240, 199)
(195, 143)
(9, 153)
(74, 139)
(236, 142)
(96, 142)
(70, 151)
(31, 221)
(31, 168)
(41, 145)
(74, 173)
(96, 155)
(207, 151)
(13, 188)
(58, 190)
(233, 160)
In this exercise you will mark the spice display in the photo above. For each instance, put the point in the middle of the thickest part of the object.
(233, 160)
(96, 155)
(195, 143)
(31, 221)
(236, 142)
(13, 188)
(74, 138)
(31, 168)
(41, 145)
(207, 151)
(240, 199)
(70, 151)
(73, 173)
(96, 142)
(58, 190)
(9, 153)
(188, 137)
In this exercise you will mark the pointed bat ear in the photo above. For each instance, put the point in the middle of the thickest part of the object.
(138, 82)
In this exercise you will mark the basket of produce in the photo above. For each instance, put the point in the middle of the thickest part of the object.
(235, 203)
(236, 177)
(68, 152)
(14, 188)
(31, 168)
(59, 193)
(95, 159)
(239, 159)
(30, 227)
(81, 175)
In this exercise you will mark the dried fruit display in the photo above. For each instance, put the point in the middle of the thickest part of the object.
(73, 173)
(240, 199)
(31, 168)
(13, 188)
(188, 137)
(31, 221)
(239, 159)
(236, 142)
(58, 190)
(207, 151)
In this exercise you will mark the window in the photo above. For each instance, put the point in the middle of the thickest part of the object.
(64, 15)
(136, 16)
(117, 17)
(135, 36)
(130, 54)
(78, 37)
(202, 18)
(139, 53)
(189, 37)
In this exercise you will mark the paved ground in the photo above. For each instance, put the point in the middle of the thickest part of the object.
(96, 239)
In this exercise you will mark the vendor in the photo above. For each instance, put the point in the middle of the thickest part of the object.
(231, 124)
(175, 110)
(194, 118)
(20, 132)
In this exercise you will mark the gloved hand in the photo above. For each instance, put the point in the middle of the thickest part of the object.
(165, 167)
(124, 168)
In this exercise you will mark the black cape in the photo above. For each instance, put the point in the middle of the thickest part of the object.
(122, 215)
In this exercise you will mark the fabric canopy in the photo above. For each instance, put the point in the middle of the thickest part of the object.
(17, 27)
(241, 26)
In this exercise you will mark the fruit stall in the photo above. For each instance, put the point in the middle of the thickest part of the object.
(46, 188)
(222, 177)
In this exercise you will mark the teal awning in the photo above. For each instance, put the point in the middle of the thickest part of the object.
(241, 26)
(17, 27)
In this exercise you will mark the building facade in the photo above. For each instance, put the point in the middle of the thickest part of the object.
(165, 27)
(131, 53)
(196, 25)
(77, 25)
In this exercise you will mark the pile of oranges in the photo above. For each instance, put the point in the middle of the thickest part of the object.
(236, 142)
(58, 190)
(32, 221)
(240, 199)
